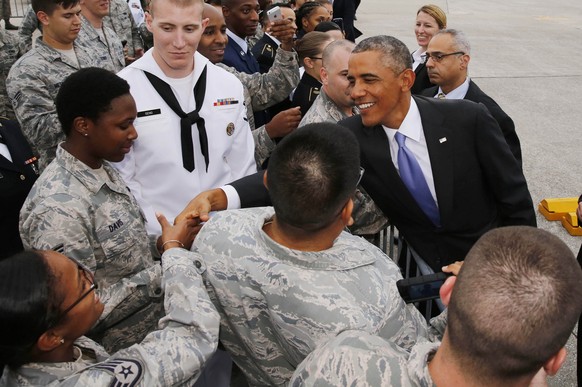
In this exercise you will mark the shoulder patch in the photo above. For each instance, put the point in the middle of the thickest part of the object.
(126, 372)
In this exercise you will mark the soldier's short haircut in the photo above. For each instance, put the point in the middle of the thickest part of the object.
(330, 49)
(395, 54)
(177, 3)
(49, 6)
(88, 93)
(312, 174)
(515, 303)
(28, 305)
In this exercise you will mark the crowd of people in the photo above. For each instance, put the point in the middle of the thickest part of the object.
(186, 185)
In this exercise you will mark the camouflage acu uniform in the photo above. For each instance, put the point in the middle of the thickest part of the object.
(121, 22)
(356, 358)
(172, 355)
(368, 217)
(323, 109)
(109, 53)
(265, 90)
(252, 40)
(29, 24)
(146, 36)
(9, 53)
(101, 225)
(32, 86)
(277, 304)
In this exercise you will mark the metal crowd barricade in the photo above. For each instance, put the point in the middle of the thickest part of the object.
(392, 244)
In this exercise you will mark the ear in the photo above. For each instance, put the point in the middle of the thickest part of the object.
(304, 23)
(308, 62)
(48, 341)
(346, 213)
(205, 23)
(265, 180)
(407, 78)
(225, 11)
(465, 59)
(149, 19)
(81, 126)
(323, 75)
(43, 18)
(447, 290)
(553, 365)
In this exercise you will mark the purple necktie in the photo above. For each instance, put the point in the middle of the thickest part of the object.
(413, 178)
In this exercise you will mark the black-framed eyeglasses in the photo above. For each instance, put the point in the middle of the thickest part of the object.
(316, 57)
(438, 57)
(87, 276)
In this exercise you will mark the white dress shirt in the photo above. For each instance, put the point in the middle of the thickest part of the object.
(411, 127)
(238, 40)
(458, 93)
(417, 58)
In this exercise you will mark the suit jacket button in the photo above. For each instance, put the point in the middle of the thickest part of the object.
(22, 177)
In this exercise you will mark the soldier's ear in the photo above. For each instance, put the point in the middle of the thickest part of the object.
(346, 213)
(148, 18)
(80, 126)
(43, 18)
(323, 75)
(49, 341)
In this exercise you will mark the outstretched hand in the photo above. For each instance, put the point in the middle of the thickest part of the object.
(181, 234)
(199, 207)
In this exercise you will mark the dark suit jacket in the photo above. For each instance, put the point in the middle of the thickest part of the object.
(16, 180)
(479, 184)
(421, 81)
(264, 52)
(235, 57)
(506, 124)
(305, 93)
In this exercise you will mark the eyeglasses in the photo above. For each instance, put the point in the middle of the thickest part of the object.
(87, 276)
(316, 57)
(437, 57)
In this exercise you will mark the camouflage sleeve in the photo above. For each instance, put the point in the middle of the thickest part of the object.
(30, 94)
(354, 358)
(9, 53)
(52, 223)
(146, 36)
(135, 36)
(264, 145)
(268, 89)
(153, 241)
(186, 339)
(27, 27)
(368, 218)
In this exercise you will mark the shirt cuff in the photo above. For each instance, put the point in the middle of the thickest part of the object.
(233, 200)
